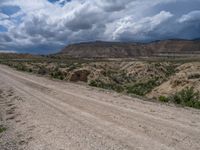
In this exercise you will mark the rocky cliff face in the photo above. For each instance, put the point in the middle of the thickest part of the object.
(131, 50)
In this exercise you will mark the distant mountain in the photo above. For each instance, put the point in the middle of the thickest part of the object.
(18, 56)
(100, 49)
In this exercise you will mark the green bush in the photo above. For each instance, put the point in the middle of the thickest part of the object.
(74, 66)
(170, 70)
(42, 71)
(100, 84)
(163, 99)
(187, 97)
(194, 76)
(93, 83)
(142, 88)
(30, 70)
(2, 129)
(20, 67)
(57, 74)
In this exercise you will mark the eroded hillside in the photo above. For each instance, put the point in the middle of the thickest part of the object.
(187, 75)
(150, 79)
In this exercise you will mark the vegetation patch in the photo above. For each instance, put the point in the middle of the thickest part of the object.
(42, 71)
(100, 84)
(170, 70)
(142, 88)
(194, 76)
(74, 66)
(57, 74)
(163, 99)
(2, 128)
(186, 97)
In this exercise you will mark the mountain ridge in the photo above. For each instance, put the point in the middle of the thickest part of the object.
(102, 49)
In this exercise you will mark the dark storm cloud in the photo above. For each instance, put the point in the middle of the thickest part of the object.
(178, 7)
(5, 38)
(84, 19)
(46, 26)
(36, 26)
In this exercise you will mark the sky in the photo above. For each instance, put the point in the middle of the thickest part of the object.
(46, 26)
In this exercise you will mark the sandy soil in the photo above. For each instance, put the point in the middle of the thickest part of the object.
(41, 114)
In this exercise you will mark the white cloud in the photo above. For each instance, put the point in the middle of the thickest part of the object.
(3, 16)
(141, 27)
(190, 17)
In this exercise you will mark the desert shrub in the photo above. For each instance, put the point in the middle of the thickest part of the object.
(30, 70)
(9, 64)
(57, 74)
(20, 67)
(110, 86)
(42, 71)
(62, 65)
(74, 66)
(167, 69)
(194, 76)
(2, 128)
(110, 73)
(187, 97)
(138, 89)
(118, 79)
(170, 70)
(93, 83)
(142, 88)
(163, 99)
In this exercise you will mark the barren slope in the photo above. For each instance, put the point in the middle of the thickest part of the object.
(52, 115)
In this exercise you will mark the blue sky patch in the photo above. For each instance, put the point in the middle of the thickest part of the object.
(53, 1)
(62, 3)
(3, 29)
(9, 10)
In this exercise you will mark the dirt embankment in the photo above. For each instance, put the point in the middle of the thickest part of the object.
(161, 80)
(187, 75)
(121, 76)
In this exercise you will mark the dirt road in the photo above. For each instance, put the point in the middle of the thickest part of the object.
(42, 114)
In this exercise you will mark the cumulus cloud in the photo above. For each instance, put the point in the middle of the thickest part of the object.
(190, 17)
(141, 28)
(43, 26)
